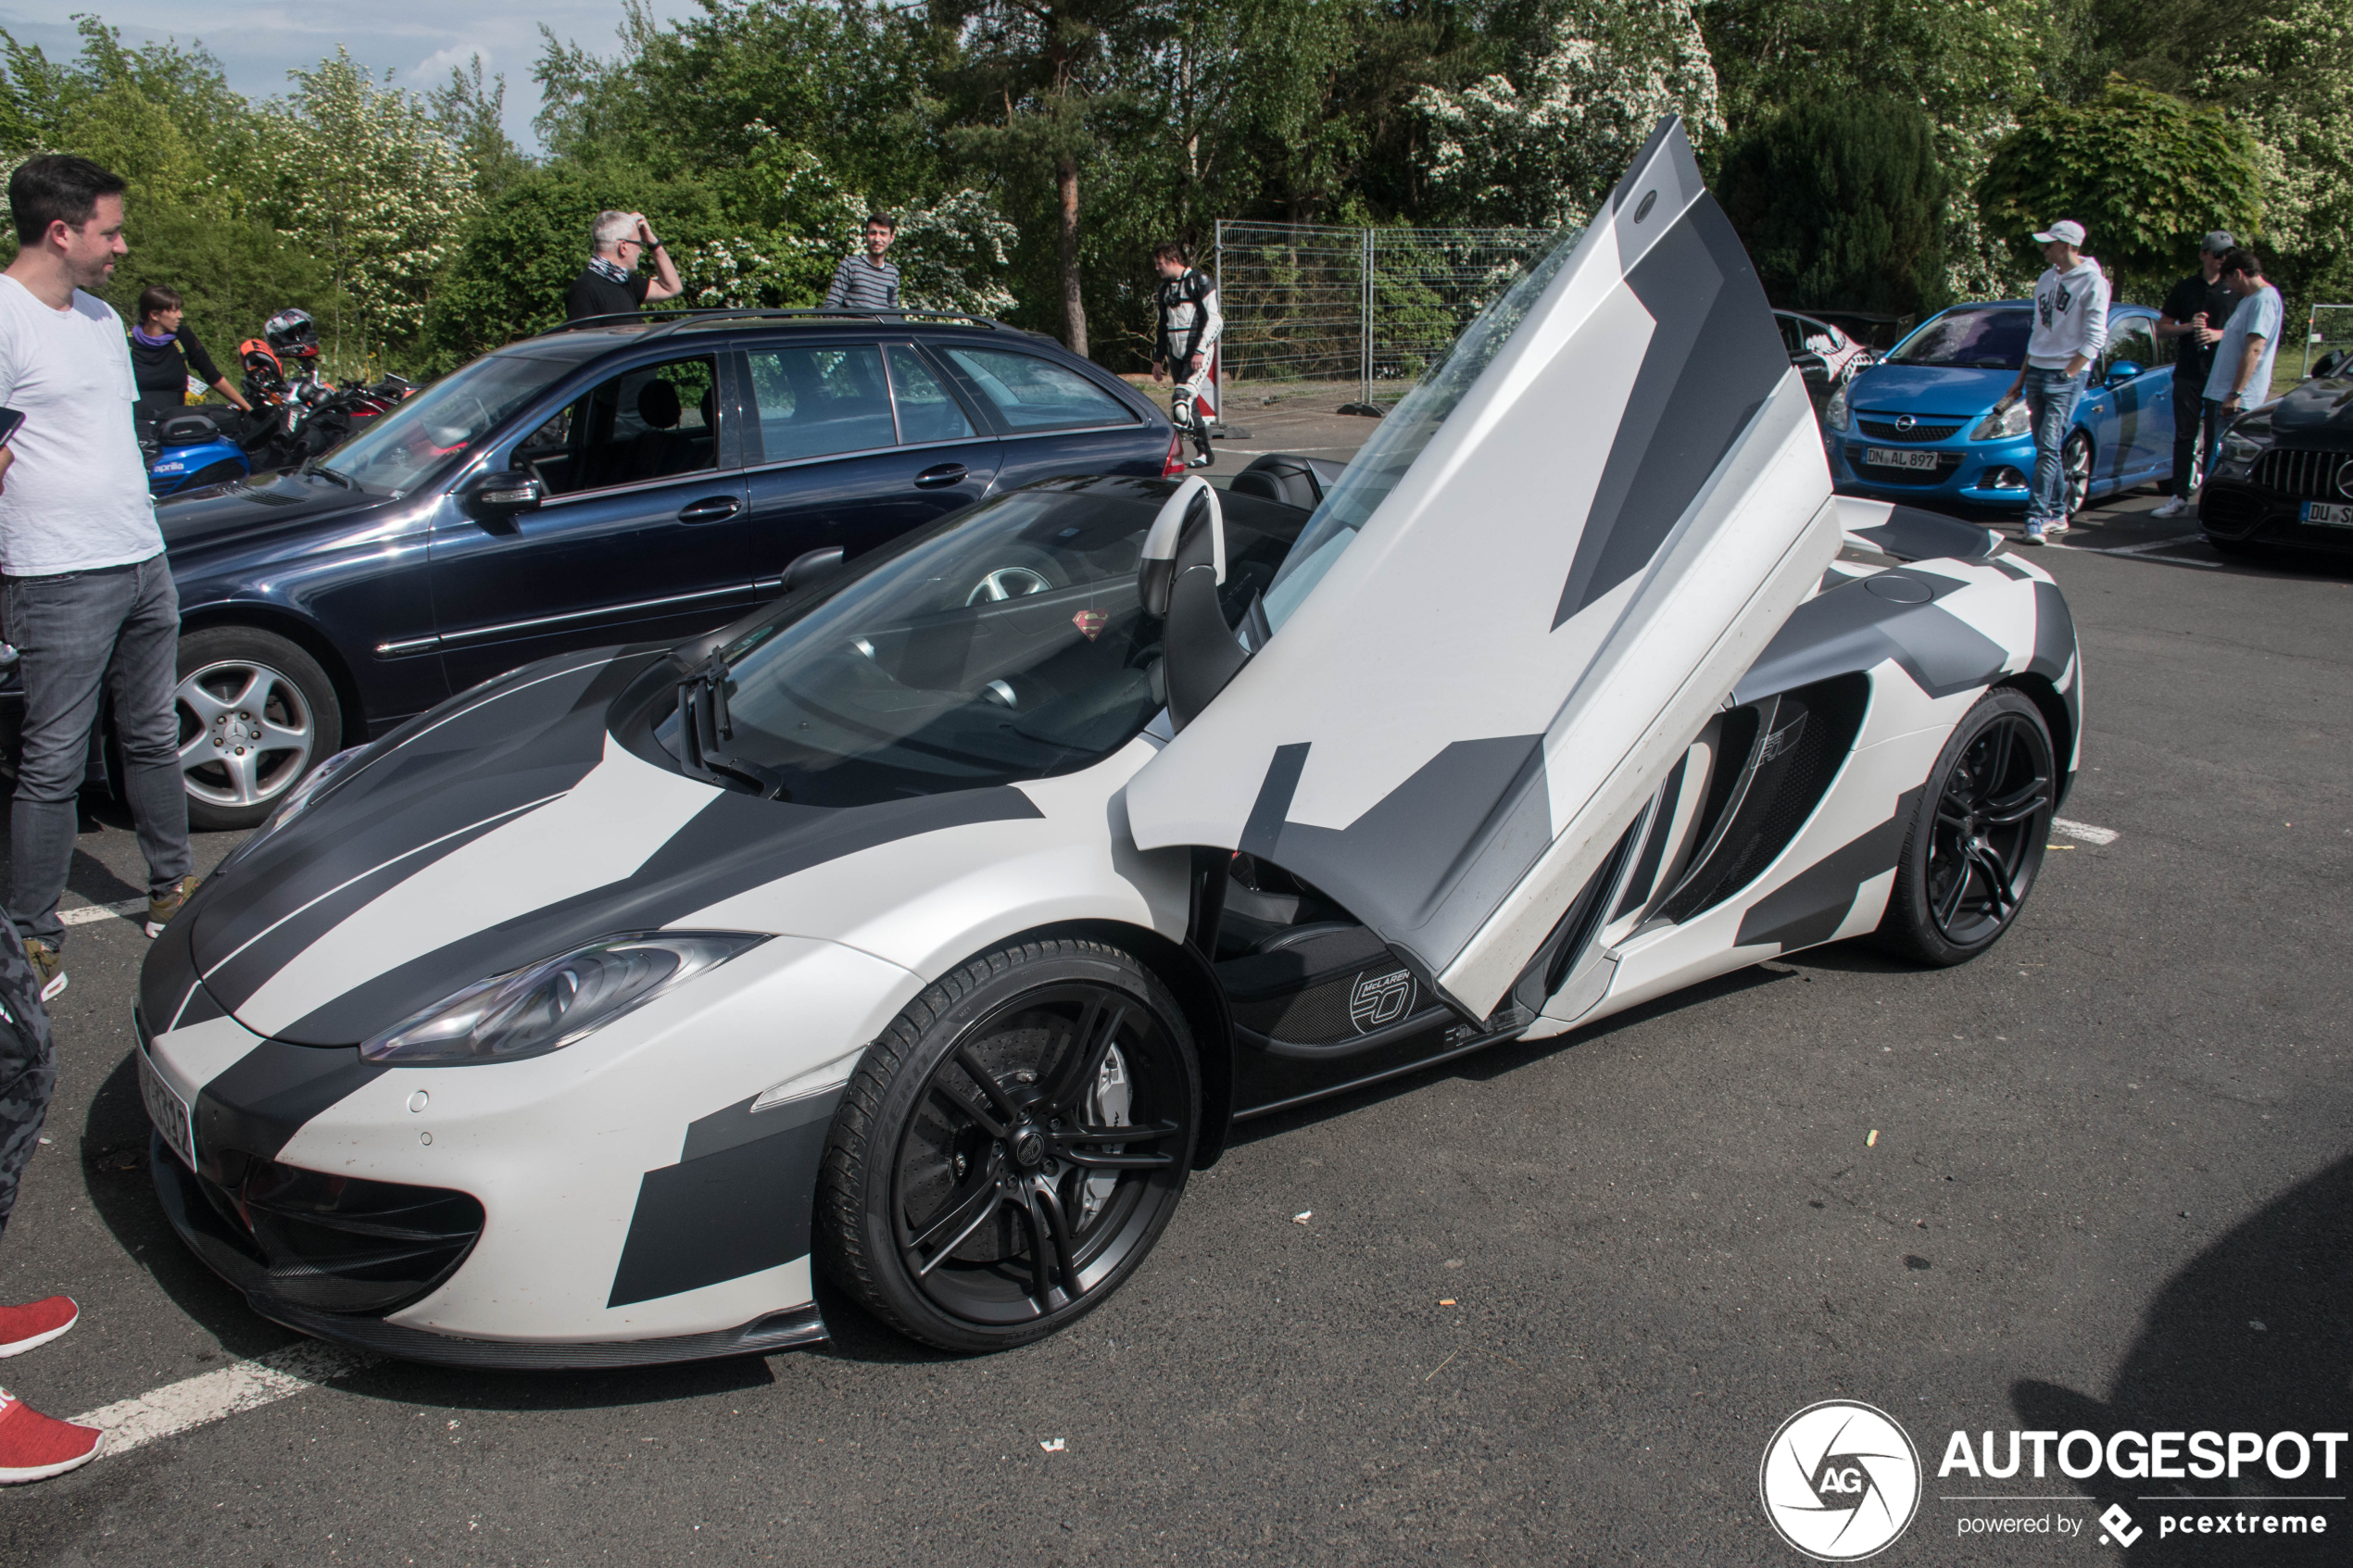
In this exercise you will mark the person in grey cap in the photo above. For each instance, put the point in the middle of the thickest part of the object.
(2070, 328)
(2193, 317)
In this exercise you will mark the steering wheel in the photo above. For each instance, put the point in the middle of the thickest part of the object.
(1008, 582)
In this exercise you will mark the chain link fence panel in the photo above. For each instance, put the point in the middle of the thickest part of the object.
(1362, 312)
(2328, 330)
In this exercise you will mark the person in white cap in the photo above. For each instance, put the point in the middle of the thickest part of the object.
(2070, 328)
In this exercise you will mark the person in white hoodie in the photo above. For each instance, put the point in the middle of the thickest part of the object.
(2070, 328)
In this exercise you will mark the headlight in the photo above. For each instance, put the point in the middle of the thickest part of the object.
(2016, 420)
(1834, 411)
(554, 1003)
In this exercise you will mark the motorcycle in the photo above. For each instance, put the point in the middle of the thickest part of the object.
(202, 446)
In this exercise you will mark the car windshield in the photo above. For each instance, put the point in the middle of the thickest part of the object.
(1398, 439)
(1982, 340)
(392, 452)
(1009, 643)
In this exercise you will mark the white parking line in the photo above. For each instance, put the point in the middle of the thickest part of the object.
(2084, 831)
(241, 1386)
(91, 913)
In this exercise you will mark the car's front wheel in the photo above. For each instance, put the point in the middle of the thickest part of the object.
(256, 714)
(1977, 838)
(1012, 1147)
(2075, 466)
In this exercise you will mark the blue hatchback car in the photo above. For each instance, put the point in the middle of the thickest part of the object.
(1920, 425)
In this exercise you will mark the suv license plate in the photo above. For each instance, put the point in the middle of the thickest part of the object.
(2329, 514)
(1896, 458)
(167, 1110)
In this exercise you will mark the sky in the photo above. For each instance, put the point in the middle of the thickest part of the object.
(417, 40)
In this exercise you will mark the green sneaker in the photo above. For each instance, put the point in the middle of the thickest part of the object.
(161, 907)
(47, 964)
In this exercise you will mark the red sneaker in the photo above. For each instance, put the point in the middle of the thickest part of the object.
(22, 1328)
(34, 1446)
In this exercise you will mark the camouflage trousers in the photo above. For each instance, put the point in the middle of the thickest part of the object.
(28, 1064)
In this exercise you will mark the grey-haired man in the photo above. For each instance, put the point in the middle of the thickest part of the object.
(610, 283)
(2193, 315)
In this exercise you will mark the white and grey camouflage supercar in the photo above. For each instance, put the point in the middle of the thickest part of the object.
(931, 926)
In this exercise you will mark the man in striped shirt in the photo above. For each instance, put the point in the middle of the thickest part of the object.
(867, 282)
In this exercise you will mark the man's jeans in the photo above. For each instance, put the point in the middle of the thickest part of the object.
(116, 630)
(2051, 397)
(2216, 423)
(2189, 414)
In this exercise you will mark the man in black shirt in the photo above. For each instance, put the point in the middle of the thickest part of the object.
(2194, 317)
(610, 283)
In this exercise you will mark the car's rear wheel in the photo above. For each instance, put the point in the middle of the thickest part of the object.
(2075, 469)
(1012, 1147)
(1977, 838)
(256, 712)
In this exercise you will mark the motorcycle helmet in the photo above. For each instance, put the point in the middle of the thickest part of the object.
(261, 365)
(293, 334)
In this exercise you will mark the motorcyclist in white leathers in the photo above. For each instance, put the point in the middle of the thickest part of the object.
(1190, 324)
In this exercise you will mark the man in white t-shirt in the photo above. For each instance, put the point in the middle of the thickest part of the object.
(90, 602)
(2241, 378)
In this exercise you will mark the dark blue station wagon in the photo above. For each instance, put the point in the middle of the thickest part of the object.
(641, 479)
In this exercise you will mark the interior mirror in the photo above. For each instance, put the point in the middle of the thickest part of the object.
(495, 497)
(2123, 370)
(813, 566)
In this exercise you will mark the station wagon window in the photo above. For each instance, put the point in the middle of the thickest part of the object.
(651, 422)
(816, 401)
(926, 412)
(1032, 394)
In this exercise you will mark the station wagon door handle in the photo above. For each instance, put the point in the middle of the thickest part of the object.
(946, 473)
(717, 509)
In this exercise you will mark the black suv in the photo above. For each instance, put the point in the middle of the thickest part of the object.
(638, 479)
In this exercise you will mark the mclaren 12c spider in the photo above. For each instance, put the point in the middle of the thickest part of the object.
(930, 927)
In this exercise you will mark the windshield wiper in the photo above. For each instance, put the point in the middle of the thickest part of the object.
(312, 465)
(704, 726)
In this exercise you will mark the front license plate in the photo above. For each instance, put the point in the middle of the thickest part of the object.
(2329, 514)
(1896, 458)
(168, 1111)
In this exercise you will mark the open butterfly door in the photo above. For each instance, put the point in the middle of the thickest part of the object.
(1523, 598)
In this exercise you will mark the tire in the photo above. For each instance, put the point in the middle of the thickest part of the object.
(1985, 814)
(952, 1175)
(2075, 469)
(256, 714)
(1019, 572)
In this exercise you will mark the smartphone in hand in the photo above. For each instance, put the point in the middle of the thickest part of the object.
(10, 422)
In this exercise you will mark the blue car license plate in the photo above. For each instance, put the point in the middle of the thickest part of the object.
(2329, 514)
(1896, 458)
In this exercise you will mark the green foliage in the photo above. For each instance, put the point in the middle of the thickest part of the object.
(2146, 173)
(1842, 201)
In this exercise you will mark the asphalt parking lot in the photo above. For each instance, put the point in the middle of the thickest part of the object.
(1546, 1305)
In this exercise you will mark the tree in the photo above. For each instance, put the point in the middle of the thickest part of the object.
(1546, 151)
(2145, 172)
(365, 181)
(1841, 203)
(2283, 70)
(1054, 68)
(471, 117)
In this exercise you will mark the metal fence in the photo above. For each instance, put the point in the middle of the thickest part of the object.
(2329, 329)
(1375, 308)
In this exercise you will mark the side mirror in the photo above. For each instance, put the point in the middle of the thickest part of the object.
(2123, 370)
(813, 566)
(1183, 564)
(494, 498)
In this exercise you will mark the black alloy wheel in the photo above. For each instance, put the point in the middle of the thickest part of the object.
(1977, 840)
(2075, 470)
(1012, 1147)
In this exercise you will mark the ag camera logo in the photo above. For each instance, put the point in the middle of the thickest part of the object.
(1840, 1481)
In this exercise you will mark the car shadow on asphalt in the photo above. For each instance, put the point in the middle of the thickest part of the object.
(2255, 1333)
